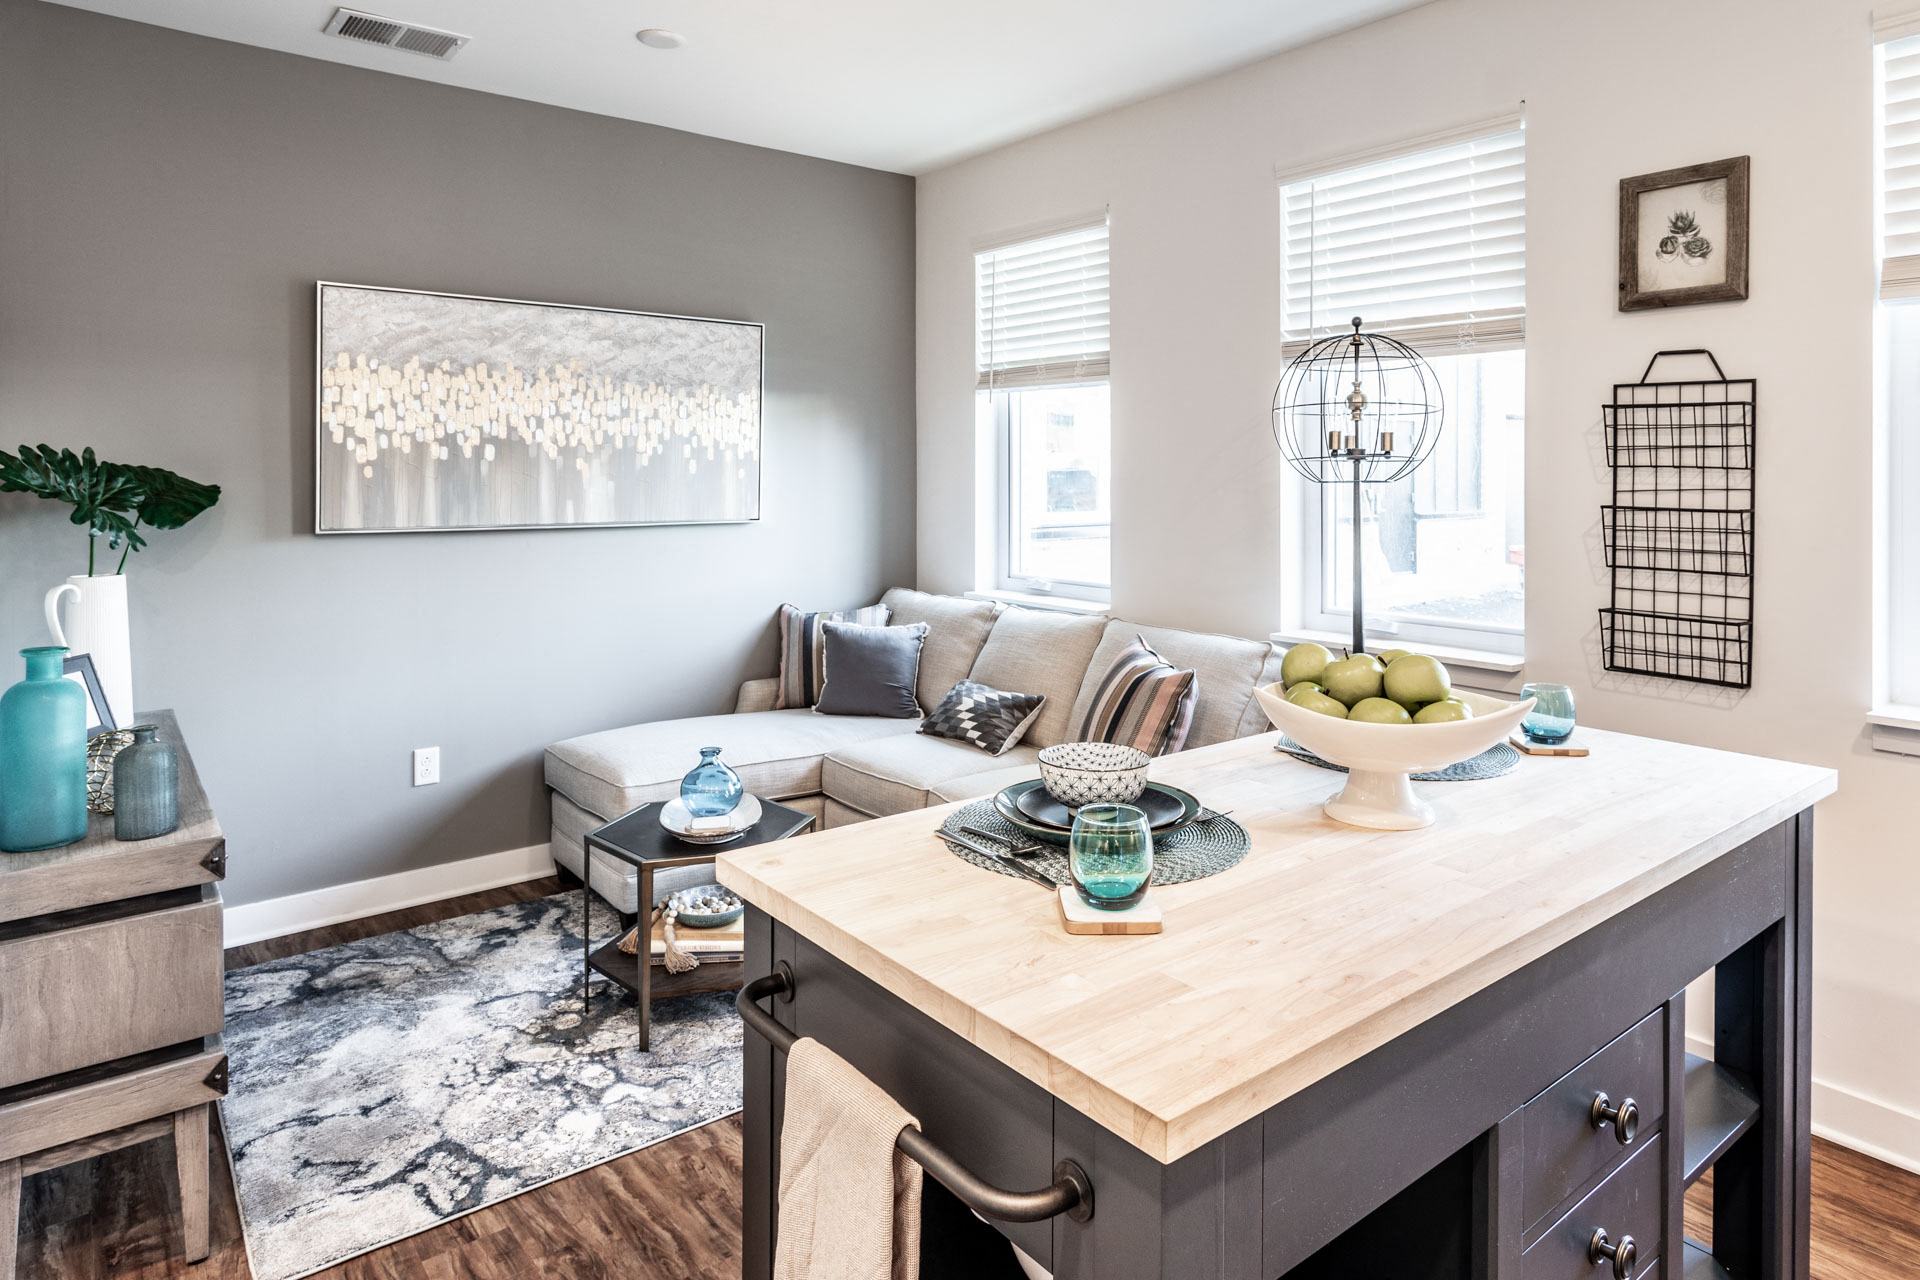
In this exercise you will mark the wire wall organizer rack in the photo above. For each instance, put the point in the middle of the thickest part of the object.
(1679, 532)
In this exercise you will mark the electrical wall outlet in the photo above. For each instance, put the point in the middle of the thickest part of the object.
(426, 766)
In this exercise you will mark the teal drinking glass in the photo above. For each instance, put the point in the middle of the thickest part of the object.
(1111, 855)
(1550, 723)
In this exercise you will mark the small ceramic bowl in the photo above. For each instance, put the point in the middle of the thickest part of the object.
(706, 906)
(1078, 773)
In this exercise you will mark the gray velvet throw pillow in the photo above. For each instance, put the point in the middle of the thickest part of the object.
(870, 671)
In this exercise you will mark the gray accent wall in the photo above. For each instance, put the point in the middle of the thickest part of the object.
(167, 202)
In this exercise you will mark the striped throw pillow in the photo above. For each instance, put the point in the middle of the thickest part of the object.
(802, 655)
(1143, 701)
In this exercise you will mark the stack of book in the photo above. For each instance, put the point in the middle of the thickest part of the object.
(725, 945)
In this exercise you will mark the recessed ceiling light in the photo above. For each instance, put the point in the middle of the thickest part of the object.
(660, 38)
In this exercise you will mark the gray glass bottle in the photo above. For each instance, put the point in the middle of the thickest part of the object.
(146, 787)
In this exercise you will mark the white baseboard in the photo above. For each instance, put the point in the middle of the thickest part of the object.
(276, 917)
(1888, 1133)
(1848, 1118)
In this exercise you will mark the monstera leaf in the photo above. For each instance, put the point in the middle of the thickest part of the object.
(168, 500)
(110, 498)
(102, 494)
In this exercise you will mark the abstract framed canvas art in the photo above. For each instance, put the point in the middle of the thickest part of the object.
(1683, 235)
(438, 411)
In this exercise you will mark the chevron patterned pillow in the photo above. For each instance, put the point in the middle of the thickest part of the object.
(989, 719)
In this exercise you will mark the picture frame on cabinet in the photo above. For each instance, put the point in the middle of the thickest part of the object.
(1683, 235)
(78, 667)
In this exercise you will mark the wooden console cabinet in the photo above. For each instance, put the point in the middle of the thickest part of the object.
(110, 1001)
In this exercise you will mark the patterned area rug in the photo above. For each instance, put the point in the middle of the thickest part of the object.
(383, 1087)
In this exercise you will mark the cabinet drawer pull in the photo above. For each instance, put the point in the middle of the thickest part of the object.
(1624, 1118)
(1601, 1248)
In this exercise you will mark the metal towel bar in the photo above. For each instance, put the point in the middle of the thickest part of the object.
(1071, 1192)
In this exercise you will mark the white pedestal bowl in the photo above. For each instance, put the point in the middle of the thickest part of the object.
(1379, 757)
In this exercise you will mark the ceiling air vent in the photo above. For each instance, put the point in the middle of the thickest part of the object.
(370, 28)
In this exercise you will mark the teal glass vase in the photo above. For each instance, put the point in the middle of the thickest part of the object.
(146, 787)
(43, 756)
(1110, 854)
(711, 789)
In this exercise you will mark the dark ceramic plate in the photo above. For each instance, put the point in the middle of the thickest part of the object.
(1032, 808)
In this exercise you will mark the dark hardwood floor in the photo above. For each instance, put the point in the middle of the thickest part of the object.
(672, 1211)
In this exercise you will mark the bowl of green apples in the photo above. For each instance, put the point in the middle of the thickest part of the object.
(1383, 716)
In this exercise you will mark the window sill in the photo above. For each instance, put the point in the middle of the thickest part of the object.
(1030, 600)
(1895, 729)
(1490, 661)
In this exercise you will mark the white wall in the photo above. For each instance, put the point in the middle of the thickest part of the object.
(1611, 90)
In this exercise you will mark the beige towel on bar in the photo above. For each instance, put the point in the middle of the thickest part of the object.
(849, 1199)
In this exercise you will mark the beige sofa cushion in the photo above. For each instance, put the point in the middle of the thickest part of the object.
(956, 630)
(895, 775)
(974, 786)
(1037, 651)
(1228, 668)
(776, 753)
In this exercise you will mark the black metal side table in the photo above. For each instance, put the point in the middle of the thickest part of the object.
(642, 843)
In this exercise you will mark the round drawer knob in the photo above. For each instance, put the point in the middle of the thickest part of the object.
(1601, 1248)
(1624, 1118)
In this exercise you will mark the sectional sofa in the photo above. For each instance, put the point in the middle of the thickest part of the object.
(851, 768)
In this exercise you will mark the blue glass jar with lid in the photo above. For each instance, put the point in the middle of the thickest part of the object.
(711, 789)
(43, 756)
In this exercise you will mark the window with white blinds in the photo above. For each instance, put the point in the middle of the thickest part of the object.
(1041, 310)
(1900, 168)
(1428, 246)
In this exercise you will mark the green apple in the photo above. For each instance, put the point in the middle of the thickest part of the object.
(1320, 702)
(1388, 656)
(1379, 711)
(1416, 678)
(1443, 712)
(1305, 686)
(1304, 662)
(1353, 679)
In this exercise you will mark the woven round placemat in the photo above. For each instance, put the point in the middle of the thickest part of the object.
(1194, 852)
(1491, 763)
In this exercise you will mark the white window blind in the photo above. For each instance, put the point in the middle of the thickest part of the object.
(1428, 246)
(1041, 308)
(1900, 168)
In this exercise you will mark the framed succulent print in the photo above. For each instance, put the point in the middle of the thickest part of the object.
(1683, 235)
(440, 411)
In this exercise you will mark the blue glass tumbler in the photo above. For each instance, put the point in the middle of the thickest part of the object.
(1550, 723)
(1111, 855)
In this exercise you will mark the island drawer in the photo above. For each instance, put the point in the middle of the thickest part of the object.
(89, 986)
(1628, 1205)
(1563, 1149)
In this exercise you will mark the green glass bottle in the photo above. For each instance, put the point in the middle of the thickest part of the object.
(43, 756)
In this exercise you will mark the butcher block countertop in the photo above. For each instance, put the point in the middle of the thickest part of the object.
(1325, 943)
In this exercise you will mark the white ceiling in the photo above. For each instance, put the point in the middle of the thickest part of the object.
(905, 85)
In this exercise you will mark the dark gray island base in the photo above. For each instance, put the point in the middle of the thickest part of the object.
(1546, 1126)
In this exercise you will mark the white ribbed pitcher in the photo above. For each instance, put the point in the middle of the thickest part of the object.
(96, 624)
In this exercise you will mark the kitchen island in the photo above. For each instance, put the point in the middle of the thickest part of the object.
(1451, 1052)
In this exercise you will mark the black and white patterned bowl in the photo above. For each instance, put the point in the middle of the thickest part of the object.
(1078, 773)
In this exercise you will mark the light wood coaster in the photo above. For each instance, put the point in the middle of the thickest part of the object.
(1142, 917)
(1524, 747)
